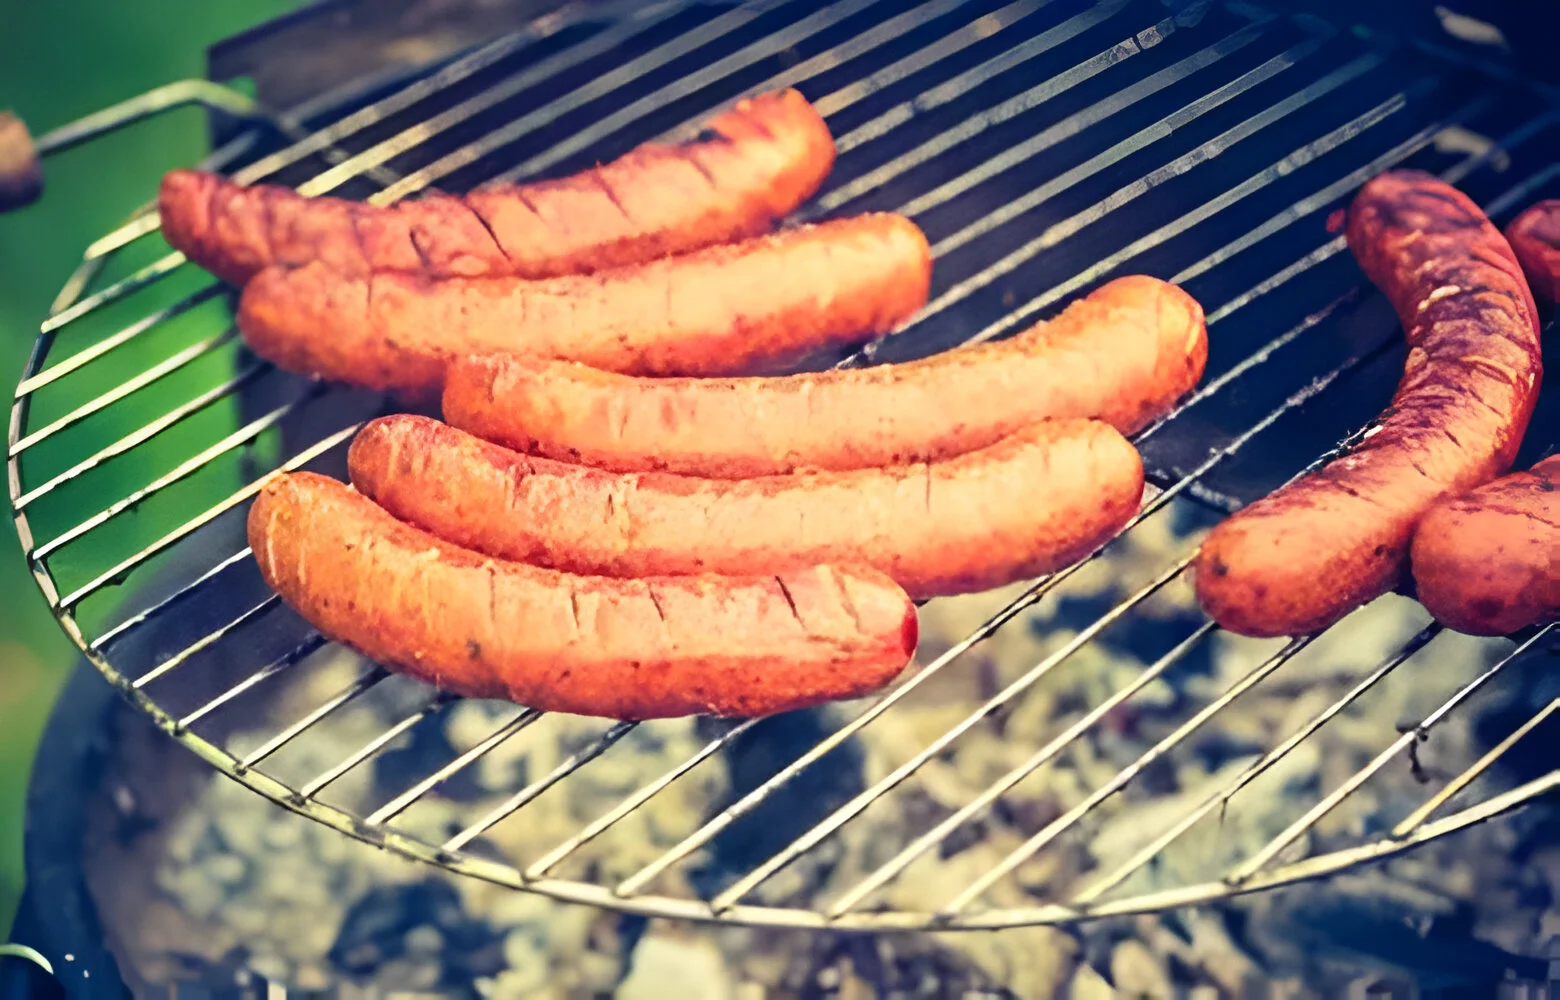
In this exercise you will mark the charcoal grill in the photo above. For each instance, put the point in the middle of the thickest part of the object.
(1045, 146)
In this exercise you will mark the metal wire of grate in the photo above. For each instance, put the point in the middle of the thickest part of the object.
(1044, 146)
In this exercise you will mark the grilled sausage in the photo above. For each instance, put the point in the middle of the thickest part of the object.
(21, 171)
(1030, 504)
(1123, 354)
(721, 310)
(625, 649)
(1488, 562)
(1300, 559)
(1535, 237)
(750, 166)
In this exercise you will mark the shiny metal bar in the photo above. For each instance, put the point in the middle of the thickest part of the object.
(1296, 829)
(1478, 767)
(940, 833)
(1228, 198)
(170, 95)
(151, 273)
(316, 784)
(645, 793)
(205, 517)
(364, 683)
(135, 621)
(206, 641)
(821, 831)
(891, 30)
(28, 386)
(538, 73)
(276, 666)
(517, 801)
(953, 42)
(1028, 100)
(1138, 141)
(1221, 797)
(195, 463)
(823, 17)
(130, 386)
(402, 802)
(1064, 822)
(422, 89)
(144, 433)
(883, 123)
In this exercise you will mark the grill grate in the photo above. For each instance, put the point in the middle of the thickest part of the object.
(1045, 146)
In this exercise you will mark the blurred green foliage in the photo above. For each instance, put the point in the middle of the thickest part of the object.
(59, 60)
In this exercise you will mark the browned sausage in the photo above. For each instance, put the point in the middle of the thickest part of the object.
(1488, 562)
(1124, 354)
(751, 166)
(1535, 236)
(625, 649)
(1025, 506)
(722, 310)
(21, 171)
(1300, 559)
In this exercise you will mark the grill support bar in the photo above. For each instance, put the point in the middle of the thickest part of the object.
(1221, 798)
(205, 517)
(146, 432)
(206, 641)
(554, 857)
(820, 831)
(571, 764)
(1474, 770)
(365, 682)
(1418, 734)
(988, 796)
(321, 781)
(1066, 821)
(401, 802)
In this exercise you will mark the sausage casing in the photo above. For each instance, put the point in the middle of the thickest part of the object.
(1030, 504)
(1488, 562)
(1535, 238)
(624, 649)
(1301, 558)
(750, 166)
(1123, 354)
(727, 309)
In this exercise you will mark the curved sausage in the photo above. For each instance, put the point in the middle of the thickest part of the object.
(750, 166)
(1535, 237)
(721, 310)
(1030, 504)
(625, 649)
(1300, 559)
(1123, 354)
(1488, 562)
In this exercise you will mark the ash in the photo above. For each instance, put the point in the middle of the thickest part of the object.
(238, 887)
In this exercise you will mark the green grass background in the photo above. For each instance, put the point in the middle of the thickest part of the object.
(60, 59)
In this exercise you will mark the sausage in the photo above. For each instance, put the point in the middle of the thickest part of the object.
(720, 310)
(21, 170)
(1535, 237)
(1123, 354)
(1488, 562)
(751, 166)
(1301, 558)
(1030, 504)
(624, 649)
